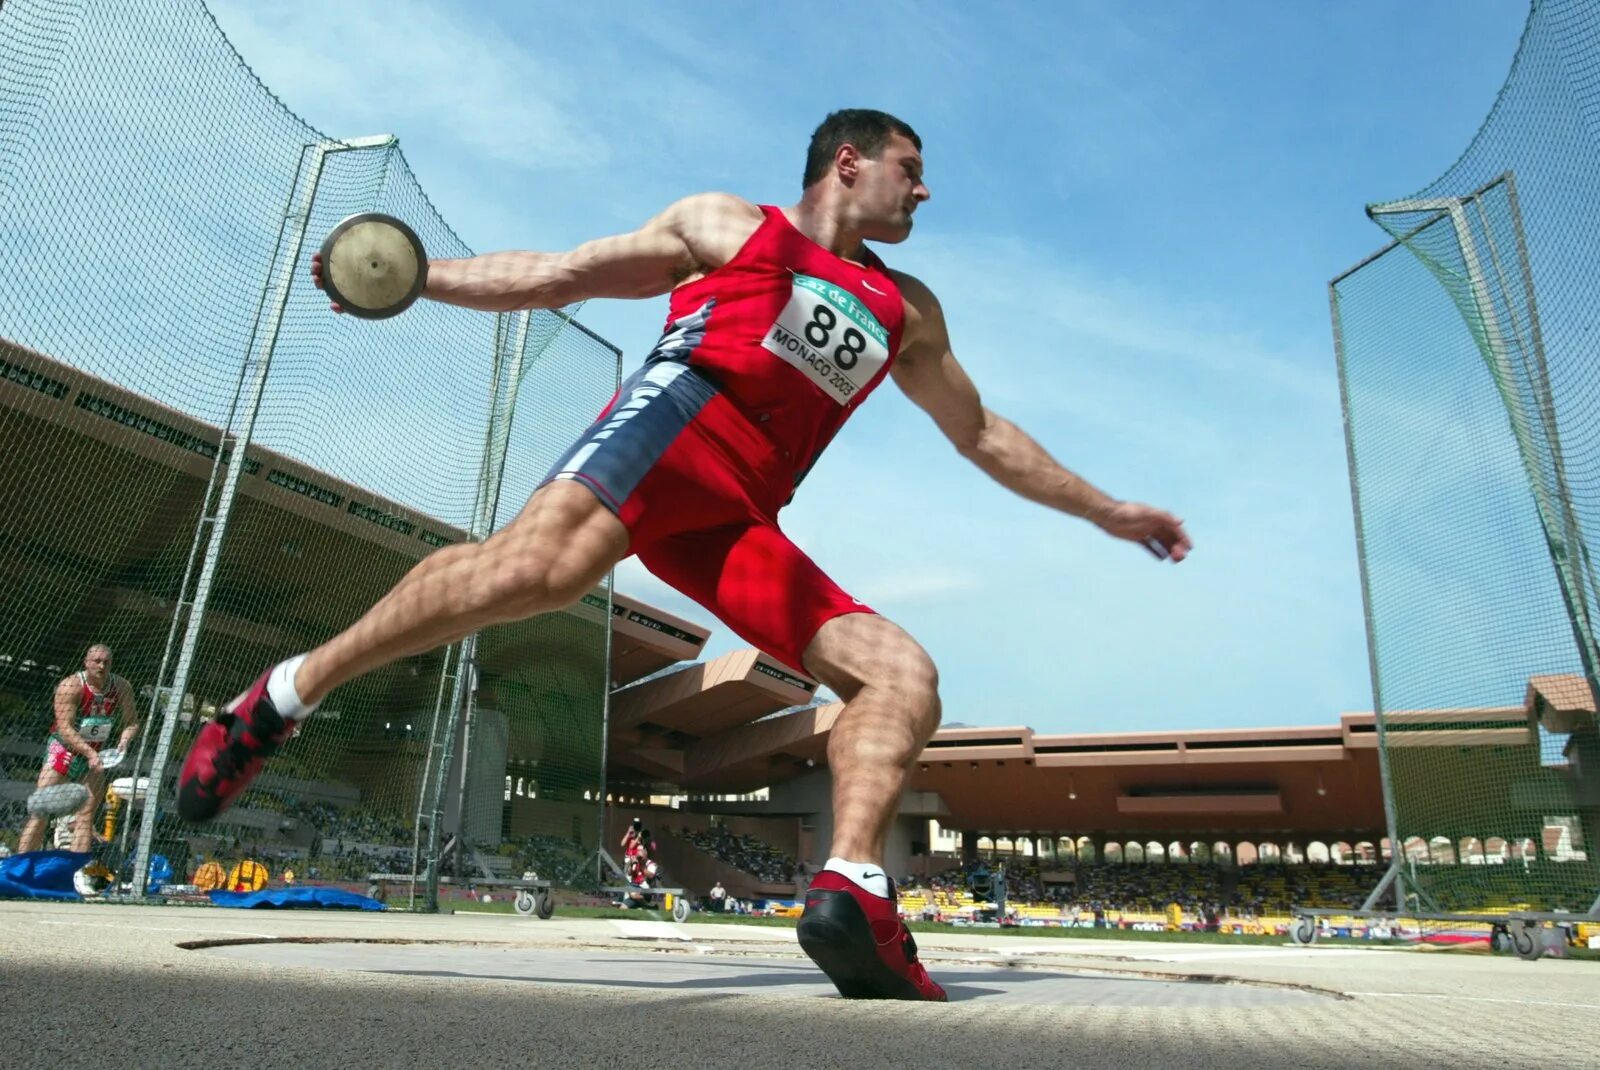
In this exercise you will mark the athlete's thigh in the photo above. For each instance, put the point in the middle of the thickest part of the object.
(756, 581)
(850, 652)
(48, 776)
(563, 526)
(672, 454)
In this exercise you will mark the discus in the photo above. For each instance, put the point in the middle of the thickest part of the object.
(112, 757)
(373, 266)
(57, 800)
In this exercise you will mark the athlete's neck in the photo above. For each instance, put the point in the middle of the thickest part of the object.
(828, 229)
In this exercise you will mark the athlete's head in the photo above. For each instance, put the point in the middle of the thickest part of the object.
(873, 161)
(97, 660)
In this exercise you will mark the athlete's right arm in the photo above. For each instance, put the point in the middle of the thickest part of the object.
(682, 241)
(68, 693)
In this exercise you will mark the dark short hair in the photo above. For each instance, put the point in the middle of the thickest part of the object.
(868, 130)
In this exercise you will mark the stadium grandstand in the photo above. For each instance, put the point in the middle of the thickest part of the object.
(725, 759)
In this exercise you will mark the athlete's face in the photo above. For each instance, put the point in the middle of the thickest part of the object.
(97, 662)
(887, 191)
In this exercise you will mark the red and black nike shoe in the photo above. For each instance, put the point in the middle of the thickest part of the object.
(229, 752)
(860, 942)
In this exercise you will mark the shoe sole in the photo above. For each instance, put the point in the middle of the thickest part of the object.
(196, 808)
(835, 932)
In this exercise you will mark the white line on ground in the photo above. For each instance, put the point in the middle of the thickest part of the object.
(652, 930)
(491, 914)
(186, 930)
(1243, 953)
(1479, 999)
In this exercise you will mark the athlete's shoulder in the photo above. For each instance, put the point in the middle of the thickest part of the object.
(924, 317)
(916, 292)
(713, 225)
(699, 210)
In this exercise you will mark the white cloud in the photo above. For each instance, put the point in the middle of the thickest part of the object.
(372, 64)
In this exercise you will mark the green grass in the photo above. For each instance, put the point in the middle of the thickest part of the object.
(565, 911)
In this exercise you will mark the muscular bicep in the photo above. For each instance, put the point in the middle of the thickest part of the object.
(128, 701)
(66, 703)
(928, 373)
(691, 237)
(646, 263)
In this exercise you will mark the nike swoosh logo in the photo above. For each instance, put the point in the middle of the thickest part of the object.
(869, 876)
(873, 288)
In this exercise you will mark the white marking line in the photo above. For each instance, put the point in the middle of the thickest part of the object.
(1479, 999)
(1249, 953)
(490, 914)
(186, 931)
(654, 930)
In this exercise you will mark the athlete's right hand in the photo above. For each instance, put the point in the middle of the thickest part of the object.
(316, 277)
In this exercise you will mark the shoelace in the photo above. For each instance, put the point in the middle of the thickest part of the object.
(238, 752)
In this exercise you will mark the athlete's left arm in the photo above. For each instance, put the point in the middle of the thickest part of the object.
(127, 701)
(927, 371)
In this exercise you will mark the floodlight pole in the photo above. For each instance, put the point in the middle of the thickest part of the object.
(246, 406)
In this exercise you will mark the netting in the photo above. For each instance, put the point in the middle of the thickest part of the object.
(1472, 403)
(158, 209)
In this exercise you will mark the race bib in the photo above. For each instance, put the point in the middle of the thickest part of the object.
(828, 334)
(95, 729)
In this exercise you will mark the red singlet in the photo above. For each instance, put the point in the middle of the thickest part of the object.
(762, 361)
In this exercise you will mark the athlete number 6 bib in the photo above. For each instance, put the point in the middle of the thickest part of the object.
(830, 336)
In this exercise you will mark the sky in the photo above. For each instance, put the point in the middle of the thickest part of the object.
(1136, 211)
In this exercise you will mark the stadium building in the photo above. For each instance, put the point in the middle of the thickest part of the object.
(725, 759)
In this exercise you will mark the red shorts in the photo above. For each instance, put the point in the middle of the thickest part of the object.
(699, 488)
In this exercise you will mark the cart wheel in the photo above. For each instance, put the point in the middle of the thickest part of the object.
(545, 906)
(680, 909)
(378, 892)
(1499, 940)
(1304, 931)
(523, 903)
(1525, 941)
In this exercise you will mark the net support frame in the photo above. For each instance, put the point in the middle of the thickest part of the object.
(246, 407)
(1558, 518)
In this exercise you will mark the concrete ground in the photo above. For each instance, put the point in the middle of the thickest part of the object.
(164, 986)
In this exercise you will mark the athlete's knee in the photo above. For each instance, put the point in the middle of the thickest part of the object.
(906, 663)
(905, 669)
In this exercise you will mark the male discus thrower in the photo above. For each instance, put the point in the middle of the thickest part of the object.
(373, 266)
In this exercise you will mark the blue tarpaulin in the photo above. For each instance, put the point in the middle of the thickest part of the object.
(41, 874)
(294, 898)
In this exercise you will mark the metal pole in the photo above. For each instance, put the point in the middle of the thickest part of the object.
(1580, 563)
(434, 788)
(491, 479)
(426, 856)
(1384, 778)
(605, 695)
(505, 378)
(291, 238)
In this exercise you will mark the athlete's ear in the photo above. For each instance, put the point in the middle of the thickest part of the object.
(847, 161)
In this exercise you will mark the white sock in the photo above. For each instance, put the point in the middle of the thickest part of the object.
(280, 688)
(868, 876)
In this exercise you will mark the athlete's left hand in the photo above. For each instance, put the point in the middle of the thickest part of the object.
(1156, 530)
